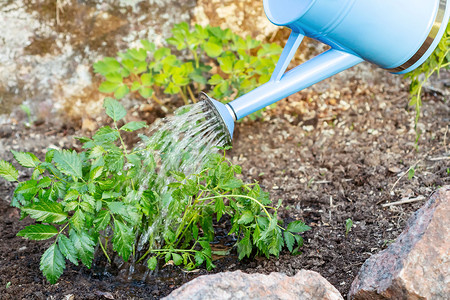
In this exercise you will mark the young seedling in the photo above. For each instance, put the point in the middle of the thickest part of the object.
(348, 226)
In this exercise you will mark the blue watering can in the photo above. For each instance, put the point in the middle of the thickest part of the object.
(396, 35)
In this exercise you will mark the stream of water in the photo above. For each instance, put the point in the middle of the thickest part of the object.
(181, 142)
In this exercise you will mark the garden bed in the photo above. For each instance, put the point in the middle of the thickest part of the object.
(338, 156)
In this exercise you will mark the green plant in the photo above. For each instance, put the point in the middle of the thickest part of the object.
(439, 59)
(217, 60)
(348, 226)
(411, 173)
(96, 197)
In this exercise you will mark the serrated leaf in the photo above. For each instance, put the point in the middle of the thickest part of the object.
(212, 49)
(114, 77)
(52, 263)
(297, 227)
(7, 171)
(44, 182)
(289, 240)
(149, 46)
(46, 211)
(38, 232)
(106, 66)
(246, 217)
(68, 162)
(244, 246)
(152, 263)
(121, 91)
(26, 159)
(26, 189)
(84, 246)
(145, 92)
(123, 240)
(132, 126)
(67, 248)
(114, 109)
(108, 87)
(78, 220)
(105, 135)
(146, 79)
(96, 172)
(102, 220)
(232, 183)
(177, 259)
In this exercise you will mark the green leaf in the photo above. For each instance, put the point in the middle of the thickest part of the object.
(145, 92)
(244, 246)
(67, 249)
(177, 259)
(123, 240)
(96, 172)
(114, 109)
(290, 240)
(215, 79)
(149, 46)
(26, 159)
(152, 263)
(135, 86)
(68, 162)
(246, 217)
(114, 77)
(84, 245)
(106, 66)
(146, 79)
(102, 220)
(78, 220)
(7, 171)
(138, 54)
(297, 227)
(52, 263)
(232, 183)
(121, 91)
(212, 49)
(132, 126)
(38, 232)
(226, 64)
(108, 87)
(105, 135)
(46, 211)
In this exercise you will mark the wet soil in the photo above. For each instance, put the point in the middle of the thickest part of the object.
(330, 156)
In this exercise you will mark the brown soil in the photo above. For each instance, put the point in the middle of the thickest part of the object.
(329, 156)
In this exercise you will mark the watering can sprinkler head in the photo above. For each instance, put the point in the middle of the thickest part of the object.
(223, 113)
(394, 35)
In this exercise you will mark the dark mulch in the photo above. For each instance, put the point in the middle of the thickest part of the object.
(329, 155)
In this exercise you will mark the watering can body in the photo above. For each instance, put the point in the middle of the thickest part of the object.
(397, 35)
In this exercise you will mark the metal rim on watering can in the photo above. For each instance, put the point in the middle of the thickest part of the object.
(428, 41)
(212, 109)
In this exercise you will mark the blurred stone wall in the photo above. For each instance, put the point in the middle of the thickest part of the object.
(48, 47)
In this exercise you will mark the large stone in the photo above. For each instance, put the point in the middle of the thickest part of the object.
(237, 285)
(417, 264)
(47, 49)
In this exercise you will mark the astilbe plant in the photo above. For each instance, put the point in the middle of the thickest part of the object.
(83, 200)
(216, 60)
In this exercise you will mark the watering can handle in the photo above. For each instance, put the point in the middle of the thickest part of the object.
(283, 84)
(292, 44)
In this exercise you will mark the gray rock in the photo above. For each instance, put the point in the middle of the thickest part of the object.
(237, 285)
(417, 264)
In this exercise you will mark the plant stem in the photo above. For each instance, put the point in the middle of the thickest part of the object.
(156, 99)
(186, 102)
(191, 94)
(240, 196)
(104, 250)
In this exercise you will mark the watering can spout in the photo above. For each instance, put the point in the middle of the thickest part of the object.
(395, 35)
